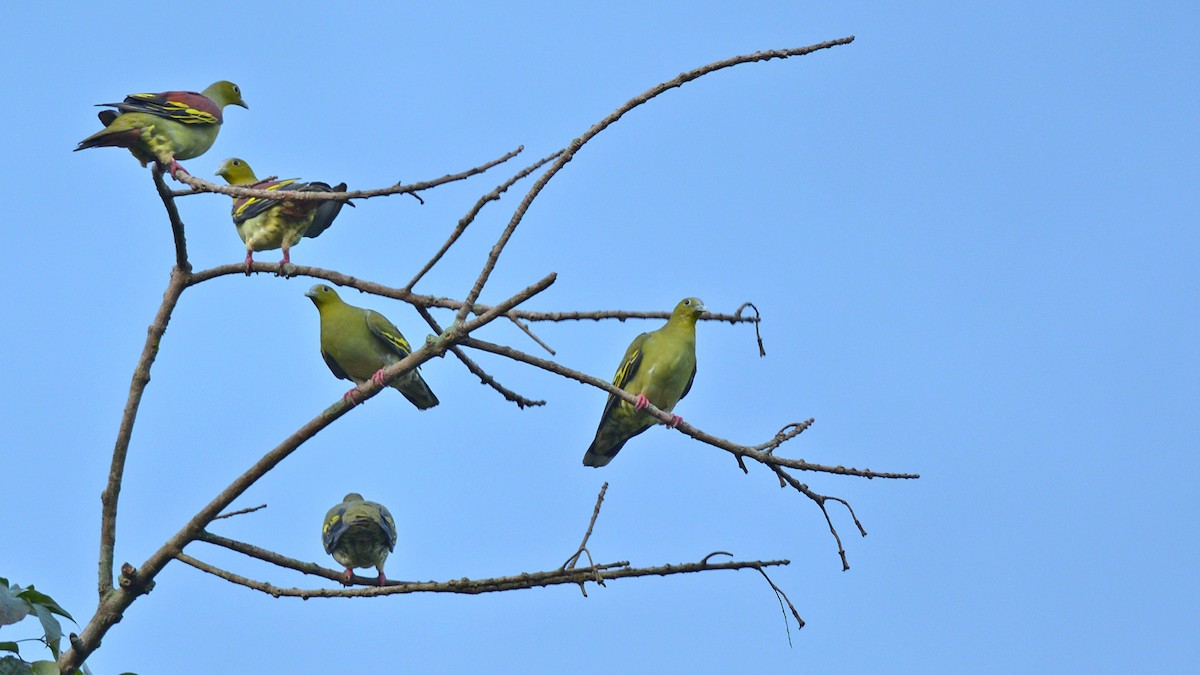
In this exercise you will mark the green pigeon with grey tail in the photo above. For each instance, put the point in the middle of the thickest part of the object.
(658, 368)
(166, 127)
(359, 533)
(266, 224)
(358, 344)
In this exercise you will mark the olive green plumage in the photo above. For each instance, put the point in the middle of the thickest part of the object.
(658, 368)
(357, 343)
(166, 127)
(265, 224)
(359, 533)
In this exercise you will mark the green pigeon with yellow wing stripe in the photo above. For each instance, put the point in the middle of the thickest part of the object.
(167, 127)
(359, 343)
(266, 224)
(658, 368)
(359, 533)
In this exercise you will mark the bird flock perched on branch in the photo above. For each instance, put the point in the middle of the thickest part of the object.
(358, 344)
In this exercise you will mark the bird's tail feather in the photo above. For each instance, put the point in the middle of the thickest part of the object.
(418, 393)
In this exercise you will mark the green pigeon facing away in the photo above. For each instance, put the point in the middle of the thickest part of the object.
(358, 344)
(167, 127)
(265, 224)
(658, 368)
(359, 533)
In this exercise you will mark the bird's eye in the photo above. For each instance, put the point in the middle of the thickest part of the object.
(687, 302)
(236, 163)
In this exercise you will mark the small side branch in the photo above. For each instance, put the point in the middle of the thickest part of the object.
(570, 563)
(240, 512)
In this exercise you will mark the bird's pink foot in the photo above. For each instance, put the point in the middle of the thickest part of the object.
(175, 168)
(286, 268)
(349, 397)
(641, 402)
(249, 261)
(382, 579)
(675, 420)
(346, 576)
(377, 378)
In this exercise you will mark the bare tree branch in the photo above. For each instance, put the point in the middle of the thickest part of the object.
(135, 581)
(141, 378)
(181, 257)
(524, 580)
(431, 301)
(200, 185)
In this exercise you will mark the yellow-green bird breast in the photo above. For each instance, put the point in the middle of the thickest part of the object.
(348, 340)
(271, 229)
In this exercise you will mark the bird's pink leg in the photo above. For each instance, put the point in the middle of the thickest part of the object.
(675, 420)
(346, 576)
(285, 265)
(641, 402)
(249, 260)
(349, 397)
(377, 378)
(382, 578)
(176, 168)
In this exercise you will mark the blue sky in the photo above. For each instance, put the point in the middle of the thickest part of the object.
(971, 233)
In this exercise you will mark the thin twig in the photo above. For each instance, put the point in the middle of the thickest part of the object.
(619, 570)
(200, 185)
(466, 220)
(782, 598)
(757, 322)
(431, 301)
(524, 328)
(586, 535)
(240, 512)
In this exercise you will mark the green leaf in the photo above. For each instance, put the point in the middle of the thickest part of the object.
(45, 668)
(35, 597)
(52, 628)
(13, 608)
